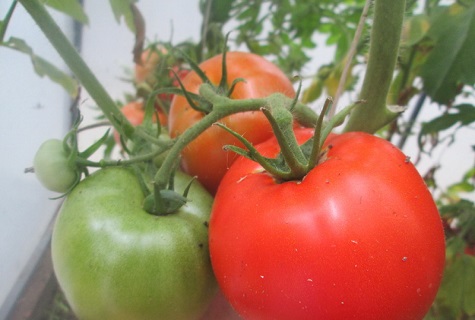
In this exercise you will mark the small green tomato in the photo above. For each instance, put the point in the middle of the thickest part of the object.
(52, 167)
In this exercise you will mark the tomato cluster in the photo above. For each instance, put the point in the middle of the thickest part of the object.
(358, 237)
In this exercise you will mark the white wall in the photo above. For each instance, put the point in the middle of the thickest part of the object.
(31, 110)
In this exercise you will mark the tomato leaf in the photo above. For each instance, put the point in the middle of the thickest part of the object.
(44, 68)
(456, 294)
(451, 61)
(415, 29)
(95, 146)
(72, 8)
(123, 8)
(464, 116)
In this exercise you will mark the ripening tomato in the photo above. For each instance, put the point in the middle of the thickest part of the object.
(204, 156)
(359, 237)
(150, 58)
(113, 260)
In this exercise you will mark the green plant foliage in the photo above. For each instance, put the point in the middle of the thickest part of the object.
(73, 8)
(451, 63)
(461, 115)
(122, 9)
(6, 20)
(285, 30)
(43, 67)
(456, 296)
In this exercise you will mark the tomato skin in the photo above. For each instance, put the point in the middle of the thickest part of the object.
(115, 261)
(52, 167)
(204, 157)
(358, 238)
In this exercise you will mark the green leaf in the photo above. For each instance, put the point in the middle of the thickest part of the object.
(73, 8)
(313, 92)
(415, 29)
(45, 68)
(450, 62)
(123, 8)
(457, 295)
(464, 116)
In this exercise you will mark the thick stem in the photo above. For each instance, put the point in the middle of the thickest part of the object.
(280, 119)
(383, 52)
(77, 65)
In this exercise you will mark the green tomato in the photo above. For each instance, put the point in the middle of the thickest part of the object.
(52, 167)
(113, 260)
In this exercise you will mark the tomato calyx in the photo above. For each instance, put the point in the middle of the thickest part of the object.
(196, 101)
(166, 201)
(294, 161)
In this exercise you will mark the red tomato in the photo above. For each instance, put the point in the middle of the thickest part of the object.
(358, 238)
(204, 157)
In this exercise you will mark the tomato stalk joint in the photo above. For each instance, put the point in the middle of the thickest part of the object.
(294, 161)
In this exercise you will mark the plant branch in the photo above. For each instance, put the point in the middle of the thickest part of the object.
(77, 65)
(222, 107)
(349, 58)
(383, 52)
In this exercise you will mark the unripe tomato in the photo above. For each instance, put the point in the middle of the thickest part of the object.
(52, 167)
(115, 261)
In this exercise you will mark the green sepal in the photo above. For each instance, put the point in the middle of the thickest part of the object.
(233, 86)
(4, 23)
(277, 167)
(170, 202)
(95, 146)
(194, 66)
(204, 106)
(166, 201)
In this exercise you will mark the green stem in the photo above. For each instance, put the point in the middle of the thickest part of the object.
(113, 163)
(222, 107)
(77, 65)
(6, 21)
(317, 138)
(280, 119)
(383, 52)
